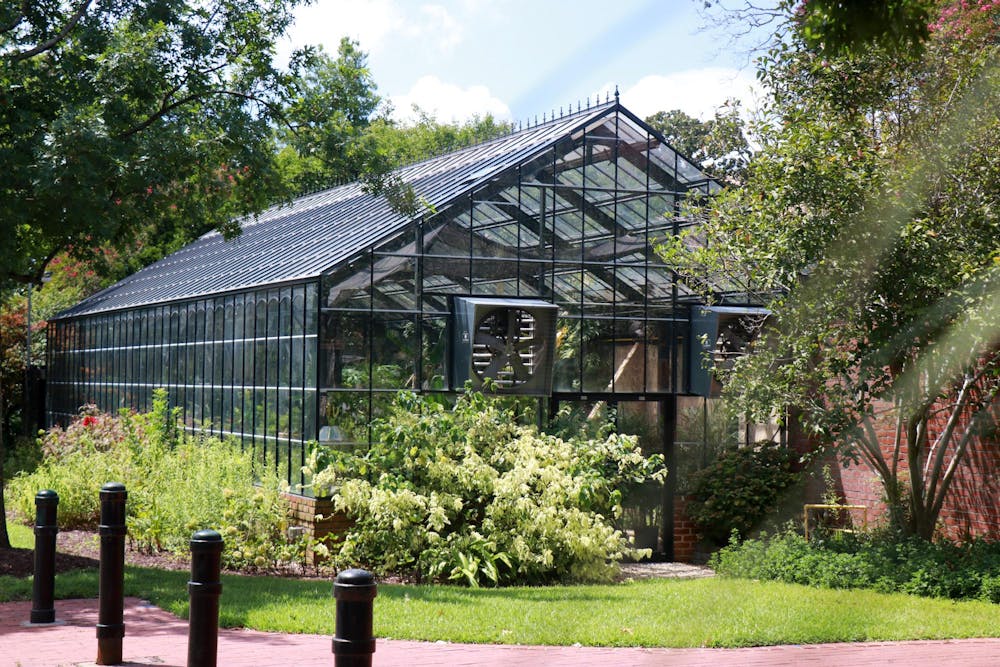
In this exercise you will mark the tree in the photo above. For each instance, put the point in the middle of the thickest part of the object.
(718, 145)
(333, 100)
(118, 116)
(869, 222)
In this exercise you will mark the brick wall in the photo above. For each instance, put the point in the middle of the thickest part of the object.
(685, 533)
(971, 508)
(317, 516)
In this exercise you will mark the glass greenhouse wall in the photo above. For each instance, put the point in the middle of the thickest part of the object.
(305, 326)
(240, 365)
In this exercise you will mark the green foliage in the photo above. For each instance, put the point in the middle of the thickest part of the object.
(739, 488)
(468, 495)
(325, 137)
(877, 561)
(867, 223)
(176, 486)
(718, 145)
(846, 26)
(133, 122)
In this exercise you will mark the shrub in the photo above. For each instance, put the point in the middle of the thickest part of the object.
(885, 563)
(176, 485)
(737, 490)
(468, 495)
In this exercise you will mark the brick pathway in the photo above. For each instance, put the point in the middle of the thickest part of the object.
(154, 637)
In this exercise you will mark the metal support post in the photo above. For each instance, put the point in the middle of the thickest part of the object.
(43, 588)
(204, 591)
(354, 643)
(111, 589)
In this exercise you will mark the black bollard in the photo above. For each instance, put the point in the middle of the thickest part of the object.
(354, 643)
(111, 589)
(43, 589)
(204, 591)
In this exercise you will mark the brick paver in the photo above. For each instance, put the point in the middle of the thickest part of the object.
(155, 637)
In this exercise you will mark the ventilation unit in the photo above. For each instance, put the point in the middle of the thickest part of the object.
(719, 334)
(510, 342)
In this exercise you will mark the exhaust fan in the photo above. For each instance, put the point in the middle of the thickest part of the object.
(719, 334)
(508, 342)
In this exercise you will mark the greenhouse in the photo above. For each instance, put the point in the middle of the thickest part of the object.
(530, 267)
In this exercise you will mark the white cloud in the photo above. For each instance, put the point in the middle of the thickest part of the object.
(369, 22)
(377, 25)
(447, 102)
(438, 28)
(697, 93)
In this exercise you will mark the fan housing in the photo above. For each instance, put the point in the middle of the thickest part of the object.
(508, 344)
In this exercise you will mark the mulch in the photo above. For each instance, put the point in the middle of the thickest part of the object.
(20, 563)
(81, 549)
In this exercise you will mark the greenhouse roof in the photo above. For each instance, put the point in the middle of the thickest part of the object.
(302, 239)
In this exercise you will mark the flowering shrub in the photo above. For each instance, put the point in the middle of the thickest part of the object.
(176, 485)
(470, 496)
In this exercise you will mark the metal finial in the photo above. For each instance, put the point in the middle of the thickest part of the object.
(536, 119)
(616, 93)
(560, 112)
(578, 106)
(588, 101)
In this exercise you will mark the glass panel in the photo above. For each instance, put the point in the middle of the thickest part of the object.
(598, 354)
(285, 312)
(435, 350)
(394, 343)
(312, 308)
(345, 349)
(446, 276)
(346, 413)
(298, 310)
(567, 283)
(567, 369)
(496, 277)
(347, 287)
(630, 353)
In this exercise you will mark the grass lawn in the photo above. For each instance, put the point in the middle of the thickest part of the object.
(704, 612)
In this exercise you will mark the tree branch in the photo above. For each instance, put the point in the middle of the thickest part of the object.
(17, 19)
(45, 46)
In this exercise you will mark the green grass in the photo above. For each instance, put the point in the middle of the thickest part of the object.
(705, 612)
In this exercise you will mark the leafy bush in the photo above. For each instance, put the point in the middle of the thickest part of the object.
(176, 485)
(884, 563)
(739, 488)
(468, 495)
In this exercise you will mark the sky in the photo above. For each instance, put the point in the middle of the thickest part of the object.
(522, 59)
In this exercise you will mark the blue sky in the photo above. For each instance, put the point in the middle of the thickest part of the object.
(520, 58)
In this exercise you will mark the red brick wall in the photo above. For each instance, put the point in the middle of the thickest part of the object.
(685, 533)
(317, 516)
(971, 507)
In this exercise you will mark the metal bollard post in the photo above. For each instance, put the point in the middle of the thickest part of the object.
(43, 589)
(204, 591)
(111, 589)
(354, 643)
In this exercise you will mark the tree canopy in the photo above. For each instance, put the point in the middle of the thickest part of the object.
(869, 221)
(122, 116)
(718, 145)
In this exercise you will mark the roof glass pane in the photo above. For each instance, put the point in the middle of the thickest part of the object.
(451, 238)
(595, 289)
(567, 281)
(630, 177)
